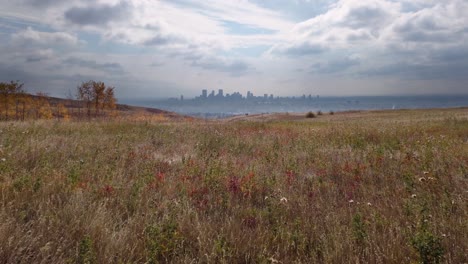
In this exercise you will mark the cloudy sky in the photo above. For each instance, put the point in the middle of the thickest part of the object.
(162, 48)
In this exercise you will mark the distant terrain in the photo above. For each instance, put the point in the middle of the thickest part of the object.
(122, 110)
(94, 100)
(221, 107)
(155, 187)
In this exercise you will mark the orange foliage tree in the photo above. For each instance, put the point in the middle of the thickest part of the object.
(96, 94)
(9, 93)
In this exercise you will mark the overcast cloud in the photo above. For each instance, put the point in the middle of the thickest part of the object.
(162, 48)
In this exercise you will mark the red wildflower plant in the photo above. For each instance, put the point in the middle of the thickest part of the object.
(82, 185)
(158, 179)
(248, 185)
(321, 173)
(234, 185)
(248, 178)
(347, 167)
(351, 190)
(199, 197)
(290, 177)
(107, 190)
(250, 222)
(160, 176)
(243, 187)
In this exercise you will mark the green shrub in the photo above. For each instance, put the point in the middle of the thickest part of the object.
(310, 115)
(162, 241)
(359, 230)
(85, 251)
(428, 246)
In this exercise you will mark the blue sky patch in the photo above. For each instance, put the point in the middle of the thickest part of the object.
(241, 29)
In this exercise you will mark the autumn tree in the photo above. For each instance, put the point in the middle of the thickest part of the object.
(23, 103)
(62, 112)
(8, 93)
(85, 94)
(99, 89)
(96, 94)
(43, 107)
(110, 102)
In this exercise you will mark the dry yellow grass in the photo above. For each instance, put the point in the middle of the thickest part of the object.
(371, 187)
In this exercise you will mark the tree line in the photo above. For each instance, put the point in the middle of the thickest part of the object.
(96, 98)
(96, 95)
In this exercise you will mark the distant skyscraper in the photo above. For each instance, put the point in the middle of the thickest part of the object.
(204, 93)
(220, 93)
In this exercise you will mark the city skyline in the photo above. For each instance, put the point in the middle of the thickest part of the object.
(249, 95)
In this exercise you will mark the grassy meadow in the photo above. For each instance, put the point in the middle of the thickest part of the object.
(365, 187)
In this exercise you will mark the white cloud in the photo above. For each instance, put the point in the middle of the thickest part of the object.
(345, 24)
(438, 24)
(98, 14)
(352, 38)
(39, 55)
(383, 34)
(32, 37)
(244, 12)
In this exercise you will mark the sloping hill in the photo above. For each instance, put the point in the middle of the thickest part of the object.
(76, 109)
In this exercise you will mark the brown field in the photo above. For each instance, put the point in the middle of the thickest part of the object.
(356, 187)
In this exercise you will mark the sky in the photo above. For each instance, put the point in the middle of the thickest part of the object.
(165, 48)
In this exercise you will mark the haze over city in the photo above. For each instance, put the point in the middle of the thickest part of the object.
(160, 49)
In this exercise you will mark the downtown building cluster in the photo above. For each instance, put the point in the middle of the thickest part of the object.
(238, 96)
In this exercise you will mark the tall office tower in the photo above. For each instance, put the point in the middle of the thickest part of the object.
(204, 93)
(220, 93)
